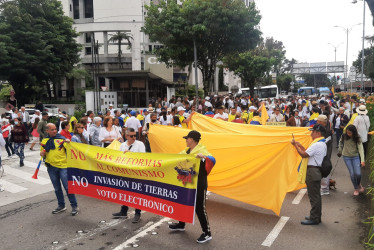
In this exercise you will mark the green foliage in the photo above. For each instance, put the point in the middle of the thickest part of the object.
(218, 28)
(80, 110)
(119, 37)
(37, 46)
(284, 80)
(250, 66)
(5, 92)
(368, 62)
(189, 90)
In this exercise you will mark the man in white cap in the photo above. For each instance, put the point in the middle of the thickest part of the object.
(207, 102)
(362, 123)
(181, 117)
(111, 110)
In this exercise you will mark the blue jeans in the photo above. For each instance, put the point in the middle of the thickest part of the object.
(354, 168)
(338, 133)
(18, 149)
(57, 176)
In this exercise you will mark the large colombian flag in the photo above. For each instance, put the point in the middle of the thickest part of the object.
(163, 184)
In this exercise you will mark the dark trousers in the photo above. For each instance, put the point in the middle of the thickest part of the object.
(124, 210)
(313, 185)
(338, 133)
(8, 145)
(201, 210)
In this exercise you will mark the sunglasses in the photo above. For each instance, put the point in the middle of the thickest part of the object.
(80, 127)
(132, 136)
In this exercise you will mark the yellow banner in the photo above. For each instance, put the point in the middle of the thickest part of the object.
(254, 164)
(164, 184)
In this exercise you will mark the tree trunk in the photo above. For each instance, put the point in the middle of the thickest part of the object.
(48, 90)
(119, 54)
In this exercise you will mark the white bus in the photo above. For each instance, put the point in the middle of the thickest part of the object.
(270, 91)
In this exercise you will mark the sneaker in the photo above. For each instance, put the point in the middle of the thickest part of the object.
(176, 227)
(325, 192)
(355, 193)
(120, 214)
(58, 210)
(204, 237)
(136, 218)
(74, 211)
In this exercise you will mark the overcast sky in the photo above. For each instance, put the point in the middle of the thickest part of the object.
(307, 26)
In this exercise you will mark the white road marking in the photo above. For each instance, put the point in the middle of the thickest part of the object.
(141, 234)
(275, 232)
(299, 196)
(10, 187)
(90, 233)
(26, 176)
(33, 165)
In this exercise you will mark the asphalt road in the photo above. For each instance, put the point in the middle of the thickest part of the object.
(27, 223)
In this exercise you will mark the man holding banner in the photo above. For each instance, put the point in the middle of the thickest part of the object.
(53, 150)
(131, 145)
(312, 160)
(206, 164)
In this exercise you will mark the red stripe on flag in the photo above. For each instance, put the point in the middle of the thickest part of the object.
(141, 201)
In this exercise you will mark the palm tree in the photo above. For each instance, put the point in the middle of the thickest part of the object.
(119, 37)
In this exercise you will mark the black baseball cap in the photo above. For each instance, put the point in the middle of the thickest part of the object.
(44, 113)
(196, 136)
(319, 128)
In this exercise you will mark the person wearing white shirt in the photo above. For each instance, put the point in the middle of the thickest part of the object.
(130, 145)
(165, 119)
(134, 123)
(36, 115)
(276, 116)
(108, 133)
(111, 110)
(221, 115)
(362, 123)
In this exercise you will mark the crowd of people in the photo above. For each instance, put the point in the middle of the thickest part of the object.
(344, 120)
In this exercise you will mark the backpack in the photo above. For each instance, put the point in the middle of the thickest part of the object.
(326, 166)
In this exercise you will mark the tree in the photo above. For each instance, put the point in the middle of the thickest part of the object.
(37, 46)
(250, 66)
(119, 37)
(217, 27)
(368, 63)
(275, 50)
(284, 80)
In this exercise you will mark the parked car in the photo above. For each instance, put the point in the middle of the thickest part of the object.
(52, 110)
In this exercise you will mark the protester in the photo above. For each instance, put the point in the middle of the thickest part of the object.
(134, 123)
(350, 146)
(35, 134)
(78, 135)
(341, 120)
(6, 132)
(42, 126)
(107, 133)
(20, 137)
(194, 148)
(94, 132)
(131, 145)
(362, 123)
(276, 116)
(221, 115)
(65, 126)
(53, 150)
(314, 156)
(256, 120)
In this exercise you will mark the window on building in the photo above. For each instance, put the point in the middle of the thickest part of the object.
(88, 8)
(88, 50)
(88, 37)
(76, 9)
(71, 8)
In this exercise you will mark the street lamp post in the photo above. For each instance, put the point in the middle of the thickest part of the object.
(346, 30)
(335, 47)
(363, 48)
